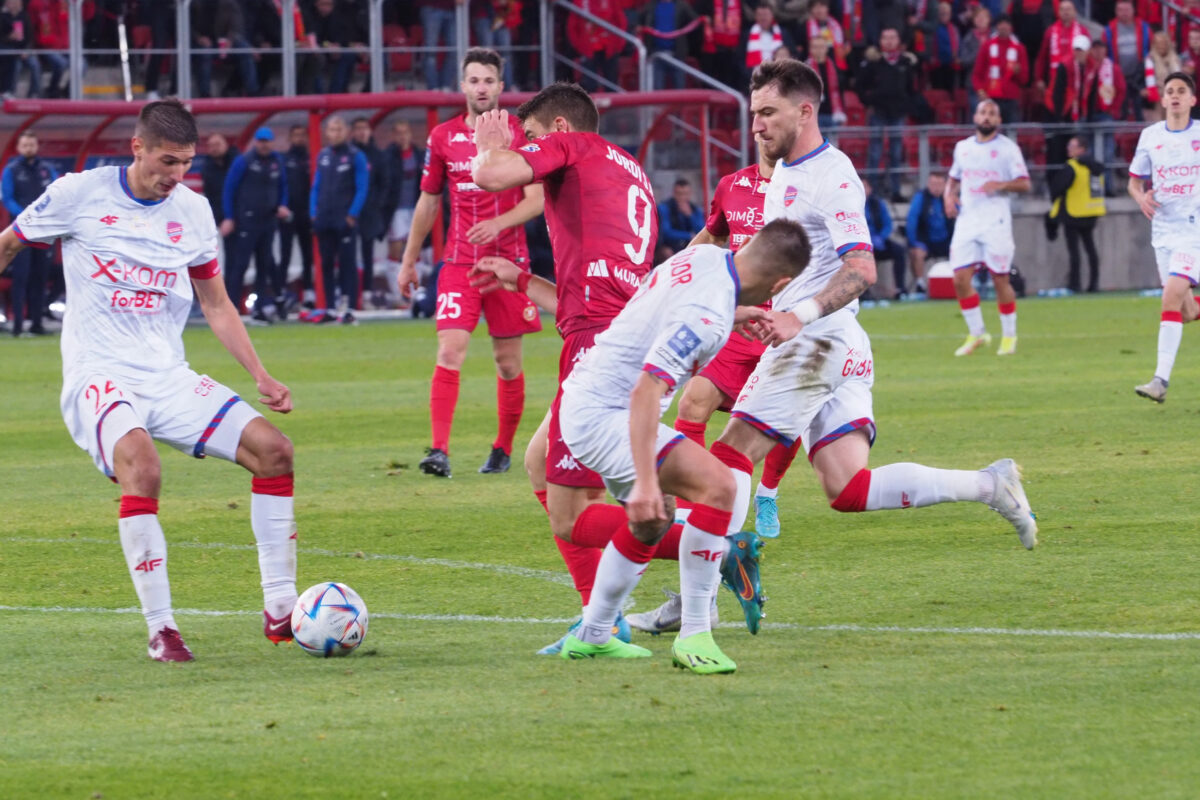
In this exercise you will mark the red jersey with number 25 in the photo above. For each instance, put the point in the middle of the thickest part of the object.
(737, 206)
(603, 224)
(448, 160)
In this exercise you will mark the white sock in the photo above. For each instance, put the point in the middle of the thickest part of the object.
(1008, 324)
(699, 575)
(763, 491)
(616, 577)
(974, 319)
(274, 523)
(391, 269)
(146, 556)
(907, 485)
(1170, 333)
(741, 503)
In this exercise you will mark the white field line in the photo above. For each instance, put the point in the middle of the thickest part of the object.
(847, 628)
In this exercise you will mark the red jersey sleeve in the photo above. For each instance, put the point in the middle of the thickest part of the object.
(549, 153)
(433, 177)
(716, 224)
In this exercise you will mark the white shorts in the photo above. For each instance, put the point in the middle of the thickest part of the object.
(1181, 261)
(401, 224)
(993, 248)
(189, 411)
(816, 387)
(598, 437)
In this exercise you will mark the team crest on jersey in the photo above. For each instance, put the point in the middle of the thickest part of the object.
(1195, 145)
(174, 232)
(459, 137)
(789, 196)
(530, 148)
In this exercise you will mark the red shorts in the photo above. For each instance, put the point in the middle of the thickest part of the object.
(561, 467)
(459, 305)
(733, 366)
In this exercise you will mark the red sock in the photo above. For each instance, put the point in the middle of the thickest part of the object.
(510, 402)
(133, 505)
(581, 563)
(668, 546)
(777, 463)
(596, 524)
(540, 494)
(692, 430)
(443, 397)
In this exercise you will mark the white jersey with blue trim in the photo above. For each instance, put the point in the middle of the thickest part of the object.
(1170, 161)
(127, 265)
(977, 163)
(821, 191)
(676, 323)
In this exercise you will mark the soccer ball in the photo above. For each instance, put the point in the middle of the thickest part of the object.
(330, 619)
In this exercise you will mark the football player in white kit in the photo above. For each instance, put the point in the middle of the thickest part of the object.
(1168, 156)
(135, 242)
(817, 385)
(988, 167)
(671, 328)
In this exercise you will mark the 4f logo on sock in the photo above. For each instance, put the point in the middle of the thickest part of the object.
(905, 502)
(709, 555)
(148, 565)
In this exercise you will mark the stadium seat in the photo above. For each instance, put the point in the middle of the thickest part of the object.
(855, 113)
(627, 74)
(397, 36)
(1126, 145)
(946, 113)
(140, 37)
(935, 97)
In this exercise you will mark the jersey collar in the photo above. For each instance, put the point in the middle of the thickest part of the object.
(129, 193)
(824, 146)
(1168, 129)
(737, 283)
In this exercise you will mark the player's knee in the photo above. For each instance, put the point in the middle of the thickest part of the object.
(850, 496)
(720, 490)
(275, 456)
(649, 531)
(693, 409)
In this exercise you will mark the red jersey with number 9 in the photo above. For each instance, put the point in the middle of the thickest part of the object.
(603, 224)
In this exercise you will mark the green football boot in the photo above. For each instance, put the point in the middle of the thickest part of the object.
(700, 654)
(575, 650)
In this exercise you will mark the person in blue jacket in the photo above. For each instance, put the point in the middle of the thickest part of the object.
(928, 228)
(679, 219)
(879, 222)
(255, 198)
(335, 203)
(24, 180)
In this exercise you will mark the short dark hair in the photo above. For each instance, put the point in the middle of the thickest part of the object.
(166, 121)
(790, 77)
(28, 134)
(566, 100)
(1181, 76)
(360, 119)
(295, 128)
(1079, 139)
(682, 182)
(818, 3)
(486, 56)
(1001, 19)
(783, 246)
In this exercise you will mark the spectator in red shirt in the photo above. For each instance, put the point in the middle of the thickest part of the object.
(1057, 44)
(1128, 40)
(495, 24)
(50, 33)
(1001, 69)
(597, 48)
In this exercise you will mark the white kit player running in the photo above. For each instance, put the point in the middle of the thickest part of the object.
(132, 238)
(989, 167)
(817, 385)
(679, 319)
(1168, 156)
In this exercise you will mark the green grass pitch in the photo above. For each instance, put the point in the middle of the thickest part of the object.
(918, 654)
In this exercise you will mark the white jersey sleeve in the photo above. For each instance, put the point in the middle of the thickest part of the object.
(1016, 161)
(688, 338)
(1141, 166)
(207, 257)
(51, 216)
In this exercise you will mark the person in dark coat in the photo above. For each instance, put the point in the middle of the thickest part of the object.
(405, 161)
(298, 227)
(372, 223)
(889, 80)
(335, 203)
(217, 162)
(24, 180)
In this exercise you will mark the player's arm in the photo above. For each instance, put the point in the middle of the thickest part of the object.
(1016, 185)
(424, 216)
(531, 205)
(496, 167)
(232, 181)
(1143, 196)
(10, 245)
(705, 237)
(950, 198)
(228, 328)
(856, 275)
(493, 272)
(7, 191)
(645, 501)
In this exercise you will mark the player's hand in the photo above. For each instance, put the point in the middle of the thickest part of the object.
(407, 279)
(351, 222)
(493, 272)
(746, 317)
(226, 227)
(284, 213)
(645, 504)
(492, 131)
(274, 395)
(950, 205)
(779, 327)
(991, 187)
(1148, 204)
(484, 232)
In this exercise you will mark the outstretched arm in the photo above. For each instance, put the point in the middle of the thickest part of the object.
(10, 245)
(855, 277)
(228, 328)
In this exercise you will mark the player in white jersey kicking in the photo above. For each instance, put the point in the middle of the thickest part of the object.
(678, 320)
(989, 168)
(817, 384)
(1168, 155)
(135, 242)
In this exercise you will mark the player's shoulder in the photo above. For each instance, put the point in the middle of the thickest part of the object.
(89, 180)
(1154, 131)
(191, 201)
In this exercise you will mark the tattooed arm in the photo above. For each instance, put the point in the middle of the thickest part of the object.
(855, 277)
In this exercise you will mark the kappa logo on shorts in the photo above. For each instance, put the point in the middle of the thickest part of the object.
(567, 462)
(174, 232)
(683, 341)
